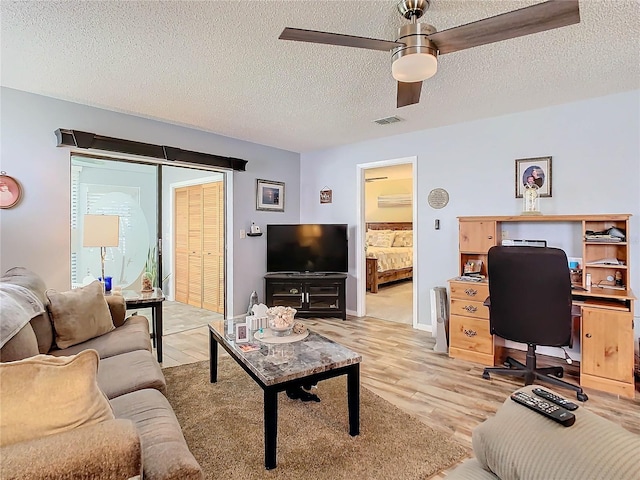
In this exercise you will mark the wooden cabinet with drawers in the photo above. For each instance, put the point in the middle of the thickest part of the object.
(607, 331)
(469, 335)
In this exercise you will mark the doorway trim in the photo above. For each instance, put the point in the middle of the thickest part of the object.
(361, 282)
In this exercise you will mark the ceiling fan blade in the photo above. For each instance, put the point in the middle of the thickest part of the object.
(518, 23)
(313, 36)
(408, 93)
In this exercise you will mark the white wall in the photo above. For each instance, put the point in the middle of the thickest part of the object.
(374, 213)
(595, 145)
(36, 234)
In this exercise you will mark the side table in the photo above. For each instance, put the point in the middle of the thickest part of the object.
(153, 300)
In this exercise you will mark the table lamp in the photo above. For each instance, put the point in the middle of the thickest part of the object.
(101, 231)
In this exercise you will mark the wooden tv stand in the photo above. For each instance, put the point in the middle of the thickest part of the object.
(606, 314)
(312, 295)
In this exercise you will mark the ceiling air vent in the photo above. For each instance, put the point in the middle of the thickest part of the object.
(388, 120)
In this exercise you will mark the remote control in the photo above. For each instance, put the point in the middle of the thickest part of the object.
(555, 399)
(558, 414)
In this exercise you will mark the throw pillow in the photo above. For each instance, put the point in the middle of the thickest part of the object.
(45, 395)
(404, 238)
(79, 315)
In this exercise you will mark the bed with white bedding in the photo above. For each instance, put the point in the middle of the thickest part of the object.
(389, 252)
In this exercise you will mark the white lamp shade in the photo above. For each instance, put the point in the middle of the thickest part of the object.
(414, 68)
(101, 231)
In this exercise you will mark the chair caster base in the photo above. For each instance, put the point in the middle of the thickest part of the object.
(486, 375)
(582, 397)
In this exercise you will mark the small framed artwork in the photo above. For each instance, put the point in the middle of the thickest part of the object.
(534, 171)
(10, 191)
(242, 333)
(269, 195)
(326, 195)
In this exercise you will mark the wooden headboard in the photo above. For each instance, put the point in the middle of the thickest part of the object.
(389, 225)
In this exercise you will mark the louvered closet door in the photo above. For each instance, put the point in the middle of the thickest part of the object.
(213, 247)
(195, 246)
(182, 244)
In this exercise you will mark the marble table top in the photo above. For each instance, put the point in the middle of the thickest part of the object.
(278, 363)
(133, 297)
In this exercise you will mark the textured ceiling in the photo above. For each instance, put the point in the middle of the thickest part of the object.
(218, 65)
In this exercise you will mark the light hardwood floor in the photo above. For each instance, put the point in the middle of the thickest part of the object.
(399, 365)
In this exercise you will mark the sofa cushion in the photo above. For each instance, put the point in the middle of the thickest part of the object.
(41, 323)
(45, 395)
(132, 335)
(129, 372)
(118, 308)
(165, 455)
(518, 443)
(106, 451)
(22, 345)
(79, 315)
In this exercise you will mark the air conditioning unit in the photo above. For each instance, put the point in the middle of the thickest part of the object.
(440, 319)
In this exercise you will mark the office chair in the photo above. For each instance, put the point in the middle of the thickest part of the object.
(530, 302)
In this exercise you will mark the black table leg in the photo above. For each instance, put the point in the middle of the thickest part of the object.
(270, 427)
(157, 329)
(153, 323)
(353, 395)
(213, 358)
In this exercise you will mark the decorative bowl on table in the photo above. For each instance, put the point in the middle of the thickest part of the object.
(281, 320)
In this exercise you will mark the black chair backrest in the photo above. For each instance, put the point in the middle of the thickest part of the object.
(530, 295)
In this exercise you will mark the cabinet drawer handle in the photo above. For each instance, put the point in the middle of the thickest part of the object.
(490, 237)
(470, 333)
(471, 292)
(588, 335)
(470, 308)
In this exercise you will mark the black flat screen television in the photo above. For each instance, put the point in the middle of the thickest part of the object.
(313, 248)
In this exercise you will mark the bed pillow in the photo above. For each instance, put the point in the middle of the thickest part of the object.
(384, 239)
(79, 315)
(45, 395)
(403, 238)
(372, 236)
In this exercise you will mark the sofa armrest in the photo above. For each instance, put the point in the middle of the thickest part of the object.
(118, 309)
(109, 450)
(520, 443)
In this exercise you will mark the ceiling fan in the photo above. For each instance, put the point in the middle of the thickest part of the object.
(414, 54)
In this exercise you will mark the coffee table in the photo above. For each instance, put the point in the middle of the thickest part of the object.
(278, 367)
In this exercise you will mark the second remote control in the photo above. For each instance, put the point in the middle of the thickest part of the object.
(555, 399)
(558, 414)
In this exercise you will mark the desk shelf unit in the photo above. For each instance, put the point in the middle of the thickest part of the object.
(607, 333)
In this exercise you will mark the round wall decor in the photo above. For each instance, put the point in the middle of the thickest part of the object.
(438, 198)
(10, 191)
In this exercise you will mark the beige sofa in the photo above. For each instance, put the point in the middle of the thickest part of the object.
(518, 443)
(136, 435)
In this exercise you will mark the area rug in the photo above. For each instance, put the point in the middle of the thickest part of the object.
(223, 426)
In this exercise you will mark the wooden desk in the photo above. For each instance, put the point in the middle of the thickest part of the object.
(154, 301)
(606, 323)
(606, 334)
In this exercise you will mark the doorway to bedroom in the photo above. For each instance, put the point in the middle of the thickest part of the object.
(387, 213)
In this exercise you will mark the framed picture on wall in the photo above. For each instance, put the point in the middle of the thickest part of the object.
(534, 171)
(269, 195)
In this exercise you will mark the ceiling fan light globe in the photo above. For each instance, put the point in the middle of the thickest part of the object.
(414, 68)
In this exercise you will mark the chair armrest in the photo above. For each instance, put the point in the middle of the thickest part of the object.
(109, 450)
(118, 309)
